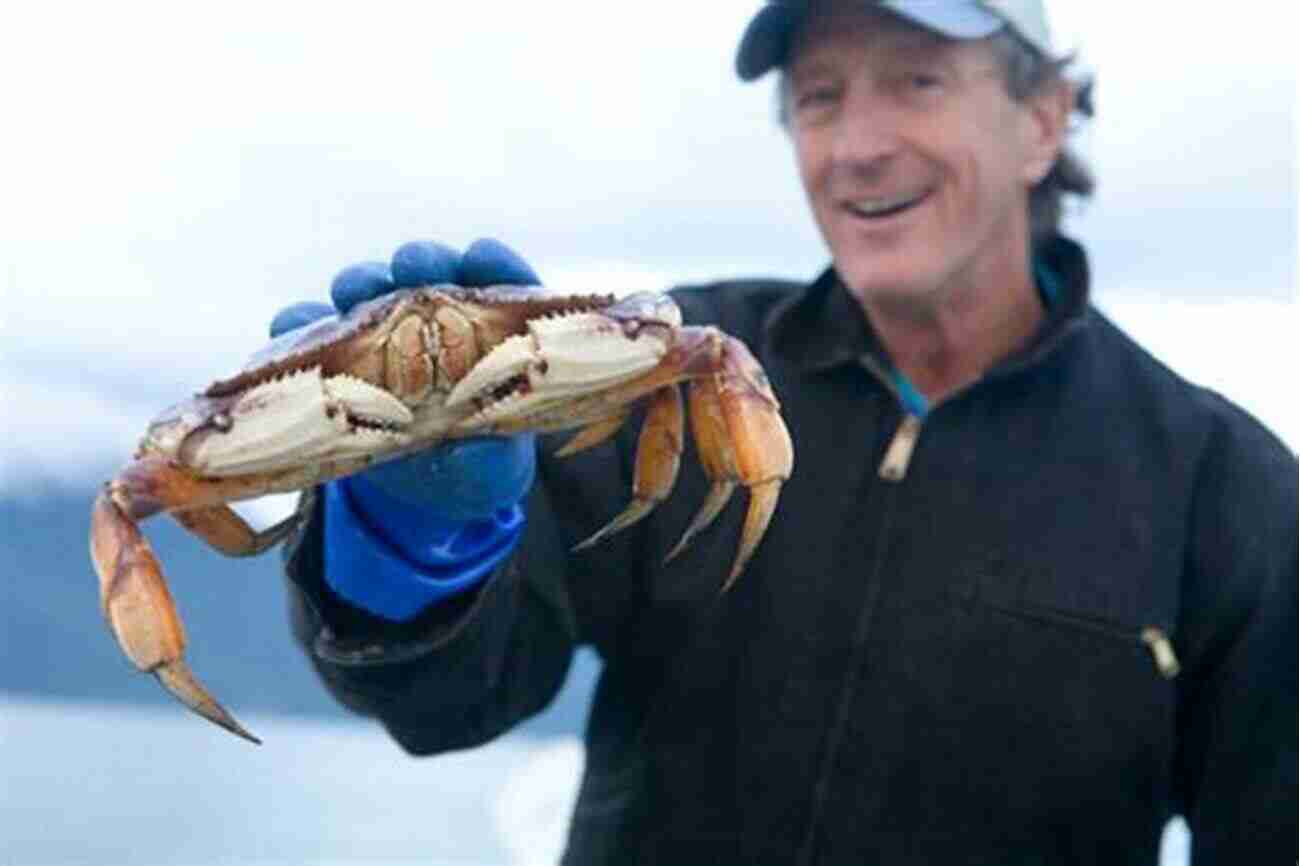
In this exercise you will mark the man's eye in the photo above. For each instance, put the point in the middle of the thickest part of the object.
(925, 81)
(816, 97)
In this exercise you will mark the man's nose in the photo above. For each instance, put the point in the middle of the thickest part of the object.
(866, 137)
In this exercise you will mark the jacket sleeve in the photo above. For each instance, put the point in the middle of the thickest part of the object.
(1237, 760)
(462, 673)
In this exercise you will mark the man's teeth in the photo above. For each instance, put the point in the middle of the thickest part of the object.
(877, 206)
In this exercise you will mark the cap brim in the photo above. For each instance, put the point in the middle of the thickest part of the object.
(765, 43)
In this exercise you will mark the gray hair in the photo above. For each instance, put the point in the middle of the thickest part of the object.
(1026, 71)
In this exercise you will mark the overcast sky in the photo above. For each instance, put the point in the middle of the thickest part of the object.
(176, 173)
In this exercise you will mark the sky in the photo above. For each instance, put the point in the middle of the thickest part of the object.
(174, 177)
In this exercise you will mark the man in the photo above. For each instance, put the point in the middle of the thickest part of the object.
(1027, 593)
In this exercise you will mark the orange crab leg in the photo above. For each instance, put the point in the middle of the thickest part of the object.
(658, 457)
(134, 596)
(592, 435)
(717, 458)
(736, 422)
(222, 528)
(140, 610)
(740, 436)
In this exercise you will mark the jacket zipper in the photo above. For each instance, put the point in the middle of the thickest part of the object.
(898, 456)
(899, 453)
(852, 683)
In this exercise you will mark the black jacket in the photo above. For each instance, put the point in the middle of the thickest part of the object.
(947, 668)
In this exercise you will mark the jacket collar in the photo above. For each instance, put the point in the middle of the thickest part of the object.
(823, 326)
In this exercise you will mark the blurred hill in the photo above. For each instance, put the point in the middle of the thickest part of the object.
(54, 642)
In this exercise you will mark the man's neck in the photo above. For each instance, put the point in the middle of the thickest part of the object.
(950, 341)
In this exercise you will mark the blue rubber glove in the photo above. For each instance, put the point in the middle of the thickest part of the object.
(410, 532)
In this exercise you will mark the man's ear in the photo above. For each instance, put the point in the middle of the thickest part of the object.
(1046, 116)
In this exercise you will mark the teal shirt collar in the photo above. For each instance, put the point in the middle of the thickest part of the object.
(1049, 289)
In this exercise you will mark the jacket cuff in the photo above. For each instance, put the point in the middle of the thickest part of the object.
(339, 636)
(387, 566)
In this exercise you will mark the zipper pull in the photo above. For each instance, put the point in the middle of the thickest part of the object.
(899, 453)
(1162, 650)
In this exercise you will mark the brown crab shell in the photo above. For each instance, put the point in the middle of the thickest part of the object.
(336, 342)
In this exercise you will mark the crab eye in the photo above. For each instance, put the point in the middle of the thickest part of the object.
(646, 307)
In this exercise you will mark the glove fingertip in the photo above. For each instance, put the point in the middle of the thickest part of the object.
(489, 262)
(421, 263)
(297, 315)
(358, 283)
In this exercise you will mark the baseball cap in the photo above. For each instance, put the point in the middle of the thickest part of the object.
(766, 41)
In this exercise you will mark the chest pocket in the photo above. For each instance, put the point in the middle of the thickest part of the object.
(1118, 595)
(1075, 657)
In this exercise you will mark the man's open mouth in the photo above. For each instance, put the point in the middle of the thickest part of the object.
(879, 207)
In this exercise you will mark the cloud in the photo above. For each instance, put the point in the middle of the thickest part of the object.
(62, 433)
(243, 158)
(194, 174)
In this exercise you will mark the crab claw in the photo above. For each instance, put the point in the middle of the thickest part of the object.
(561, 357)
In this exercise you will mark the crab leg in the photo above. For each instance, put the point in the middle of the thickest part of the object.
(658, 456)
(583, 370)
(134, 596)
(222, 528)
(592, 435)
(735, 419)
(740, 437)
(717, 458)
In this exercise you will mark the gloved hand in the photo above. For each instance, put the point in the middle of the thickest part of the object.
(407, 533)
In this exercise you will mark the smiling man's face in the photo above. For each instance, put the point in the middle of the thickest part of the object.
(916, 161)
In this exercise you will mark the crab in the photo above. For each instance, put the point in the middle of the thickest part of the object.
(409, 370)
